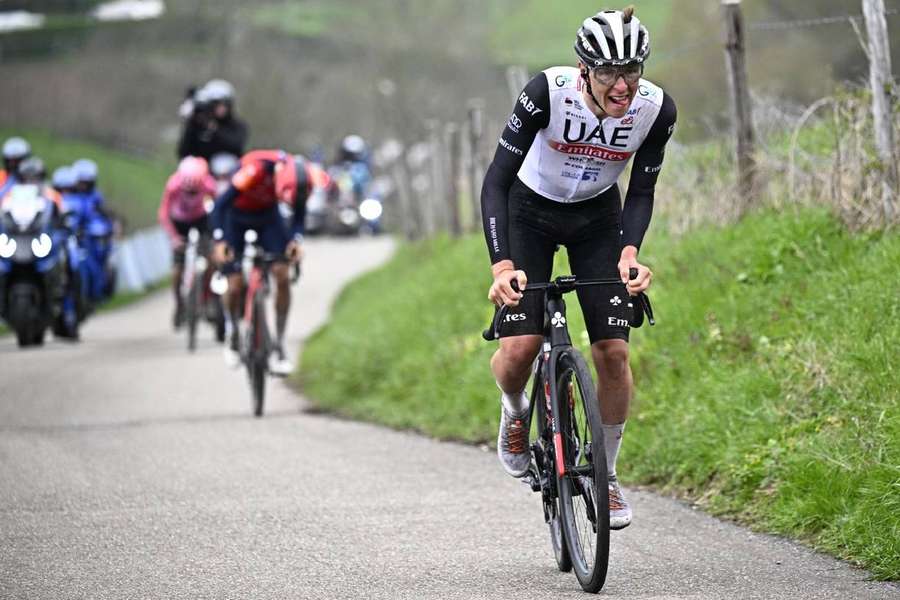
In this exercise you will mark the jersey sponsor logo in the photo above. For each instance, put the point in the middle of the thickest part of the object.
(590, 150)
(655, 169)
(510, 147)
(618, 139)
(562, 80)
(628, 121)
(573, 102)
(514, 123)
(528, 105)
(646, 92)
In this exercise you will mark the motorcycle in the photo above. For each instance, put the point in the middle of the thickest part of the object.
(33, 267)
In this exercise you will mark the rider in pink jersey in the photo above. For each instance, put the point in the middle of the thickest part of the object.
(184, 206)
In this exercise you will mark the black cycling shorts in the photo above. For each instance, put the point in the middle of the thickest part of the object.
(591, 232)
(183, 228)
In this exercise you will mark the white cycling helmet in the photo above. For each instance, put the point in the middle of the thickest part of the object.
(224, 164)
(16, 148)
(612, 37)
(86, 170)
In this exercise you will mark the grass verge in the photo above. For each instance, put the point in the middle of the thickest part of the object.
(767, 394)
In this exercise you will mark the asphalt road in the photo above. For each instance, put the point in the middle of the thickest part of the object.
(129, 469)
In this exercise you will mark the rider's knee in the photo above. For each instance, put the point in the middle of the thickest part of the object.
(520, 350)
(610, 357)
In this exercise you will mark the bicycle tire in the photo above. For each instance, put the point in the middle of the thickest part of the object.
(259, 356)
(191, 309)
(584, 500)
(554, 523)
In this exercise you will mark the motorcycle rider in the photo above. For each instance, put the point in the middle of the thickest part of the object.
(15, 150)
(212, 126)
(95, 227)
(32, 170)
(184, 207)
(266, 177)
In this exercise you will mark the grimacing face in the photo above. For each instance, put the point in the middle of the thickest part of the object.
(613, 99)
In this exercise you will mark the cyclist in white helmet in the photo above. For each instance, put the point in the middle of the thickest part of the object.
(553, 181)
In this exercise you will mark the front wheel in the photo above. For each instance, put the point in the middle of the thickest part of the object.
(549, 489)
(258, 355)
(583, 493)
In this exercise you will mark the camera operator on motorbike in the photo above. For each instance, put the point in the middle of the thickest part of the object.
(184, 206)
(553, 181)
(266, 177)
(212, 126)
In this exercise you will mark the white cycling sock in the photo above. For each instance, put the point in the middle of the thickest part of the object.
(515, 403)
(612, 441)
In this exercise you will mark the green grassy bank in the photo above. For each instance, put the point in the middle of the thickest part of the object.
(132, 186)
(767, 393)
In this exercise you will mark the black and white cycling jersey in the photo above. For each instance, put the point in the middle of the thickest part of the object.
(560, 150)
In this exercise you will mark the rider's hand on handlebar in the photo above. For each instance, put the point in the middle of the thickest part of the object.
(221, 253)
(501, 291)
(294, 251)
(629, 261)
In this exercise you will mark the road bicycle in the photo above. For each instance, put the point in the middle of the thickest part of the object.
(568, 466)
(199, 302)
(256, 339)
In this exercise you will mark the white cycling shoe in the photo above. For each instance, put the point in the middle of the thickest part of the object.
(232, 354)
(512, 442)
(619, 509)
(279, 364)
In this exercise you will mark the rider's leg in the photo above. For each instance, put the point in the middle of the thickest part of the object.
(615, 388)
(281, 273)
(511, 366)
(233, 298)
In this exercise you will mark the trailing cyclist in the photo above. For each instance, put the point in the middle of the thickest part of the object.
(15, 150)
(184, 206)
(553, 181)
(265, 178)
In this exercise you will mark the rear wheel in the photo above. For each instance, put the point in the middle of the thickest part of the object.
(192, 310)
(583, 494)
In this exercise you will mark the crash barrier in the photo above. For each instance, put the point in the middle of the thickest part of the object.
(142, 259)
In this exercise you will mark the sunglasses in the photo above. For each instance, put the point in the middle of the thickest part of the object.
(610, 75)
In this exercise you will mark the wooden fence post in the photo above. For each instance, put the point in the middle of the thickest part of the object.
(882, 85)
(453, 151)
(476, 163)
(735, 59)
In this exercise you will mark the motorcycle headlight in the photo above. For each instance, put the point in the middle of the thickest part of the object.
(7, 246)
(41, 246)
(370, 209)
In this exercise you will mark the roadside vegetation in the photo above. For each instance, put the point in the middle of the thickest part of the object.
(132, 186)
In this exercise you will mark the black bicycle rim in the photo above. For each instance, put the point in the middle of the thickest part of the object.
(584, 500)
(191, 310)
(258, 358)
